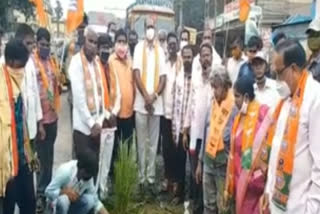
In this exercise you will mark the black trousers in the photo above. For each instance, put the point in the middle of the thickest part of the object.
(45, 150)
(174, 155)
(196, 193)
(86, 145)
(20, 191)
(123, 134)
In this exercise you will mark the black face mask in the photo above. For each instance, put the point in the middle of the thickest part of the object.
(187, 66)
(104, 56)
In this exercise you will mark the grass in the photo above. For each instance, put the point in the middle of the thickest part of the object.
(125, 198)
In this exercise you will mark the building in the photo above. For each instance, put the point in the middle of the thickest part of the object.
(263, 16)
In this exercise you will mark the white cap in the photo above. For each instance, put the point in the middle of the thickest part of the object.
(314, 25)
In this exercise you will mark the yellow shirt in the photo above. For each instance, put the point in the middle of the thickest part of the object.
(123, 68)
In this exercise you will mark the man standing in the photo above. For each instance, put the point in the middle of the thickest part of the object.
(17, 157)
(49, 87)
(194, 124)
(236, 60)
(252, 50)
(173, 66)
(181, 96)
(293, 174)
(265, 88)
(88, 97)
(314, 45)
(111, 31)
(162, 37)
(120, 64)
(216, 59)
(184, 38)
(133, 41)
(150, 77)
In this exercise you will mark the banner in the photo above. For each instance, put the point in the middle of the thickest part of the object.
(41, 13)
(75, 15)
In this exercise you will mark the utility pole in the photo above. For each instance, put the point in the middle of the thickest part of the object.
(180, 14)
(206, 12)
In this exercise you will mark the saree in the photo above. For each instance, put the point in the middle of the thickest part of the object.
(246, 184)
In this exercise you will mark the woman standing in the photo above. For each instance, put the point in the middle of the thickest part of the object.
(244, 183)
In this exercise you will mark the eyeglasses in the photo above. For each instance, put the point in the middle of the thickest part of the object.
(280, 72)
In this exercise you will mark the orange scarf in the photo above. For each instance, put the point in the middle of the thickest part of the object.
(287, 152)
(109, 96)
(249, 130)
(54, 95)
(145, 65)
(219, 117)
(88, 82)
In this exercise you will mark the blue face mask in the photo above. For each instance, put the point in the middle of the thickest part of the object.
(44, 53)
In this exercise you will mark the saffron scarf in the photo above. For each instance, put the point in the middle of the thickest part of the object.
(288, 145)
(8, 133)
(145, 65)
(249, 130)
(88, 82)
(219, 117)
(52, 94)
(110, 91)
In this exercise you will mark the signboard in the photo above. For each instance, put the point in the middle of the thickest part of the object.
(162, 3)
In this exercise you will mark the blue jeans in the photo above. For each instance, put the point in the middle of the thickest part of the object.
(84, 205)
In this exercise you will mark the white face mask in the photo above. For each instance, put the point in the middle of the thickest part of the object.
(150, 34)
(183, 44)
(283, 89)
(244, 107)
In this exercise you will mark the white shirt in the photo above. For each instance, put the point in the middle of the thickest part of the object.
(268, 95)
(216, 60)
(169, 89)
(233, 68)
(304, 195)
(139, 104)
(200, 99)
(83, 121)
(31, 97)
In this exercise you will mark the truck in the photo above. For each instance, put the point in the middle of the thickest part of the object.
(161, 11)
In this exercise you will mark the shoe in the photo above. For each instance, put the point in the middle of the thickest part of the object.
(40, 205)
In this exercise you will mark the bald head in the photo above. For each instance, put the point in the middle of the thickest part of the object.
(149, 22)
(91, 43)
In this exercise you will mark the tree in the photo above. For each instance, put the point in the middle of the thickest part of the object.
(58, 12)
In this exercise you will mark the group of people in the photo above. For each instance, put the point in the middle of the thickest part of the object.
(248, 129)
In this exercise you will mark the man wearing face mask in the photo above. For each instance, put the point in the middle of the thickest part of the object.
(112, 27)
(49, 88)
(133, 41)
(16, 183)
(314, 45)
(173, 66)
(120, 63)
(265, 88)
(89, 98)
(184, 38)
(293, 140)
(150, 78)
(194, 124)
(236, 60)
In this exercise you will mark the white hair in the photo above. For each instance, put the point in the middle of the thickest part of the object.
(89, 29)
(219, 73)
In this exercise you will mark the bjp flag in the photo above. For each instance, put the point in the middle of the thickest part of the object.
(41, 13)
(75, 15)
(244, 10)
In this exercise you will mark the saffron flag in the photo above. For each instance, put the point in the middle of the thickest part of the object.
(244, 10)
(75, 15)
(41, 13)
